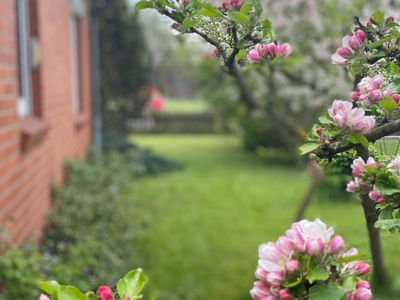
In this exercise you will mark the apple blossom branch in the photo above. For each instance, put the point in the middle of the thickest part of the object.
(370, 36)
(375, 134)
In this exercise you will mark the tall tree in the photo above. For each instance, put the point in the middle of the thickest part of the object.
(125, 66)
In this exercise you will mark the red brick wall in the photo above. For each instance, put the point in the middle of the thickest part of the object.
(31, 158)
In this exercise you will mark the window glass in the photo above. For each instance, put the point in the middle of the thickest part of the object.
(24, 69)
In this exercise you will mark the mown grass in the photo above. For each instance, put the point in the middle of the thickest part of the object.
(181, 105)
(207, 221)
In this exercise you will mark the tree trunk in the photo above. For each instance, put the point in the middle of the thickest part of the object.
(305, 203)
(380, 276)
(379, 273)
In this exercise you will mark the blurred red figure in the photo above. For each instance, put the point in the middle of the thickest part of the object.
(156, 102)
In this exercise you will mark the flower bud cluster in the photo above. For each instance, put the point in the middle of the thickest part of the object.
(231, 5)
(350, 44)
(286, 260)
(370, 90)
(270, 50)
(344, 115)
(366, 173)
(362, 292)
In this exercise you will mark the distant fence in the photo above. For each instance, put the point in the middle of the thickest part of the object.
(174, 123)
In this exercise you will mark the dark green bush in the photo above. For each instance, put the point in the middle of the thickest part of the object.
(137, 160)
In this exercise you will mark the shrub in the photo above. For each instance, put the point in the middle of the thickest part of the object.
(19, 273)
(93, 231)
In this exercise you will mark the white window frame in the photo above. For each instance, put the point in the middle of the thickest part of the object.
(78, 9)
(75, 65)
(24, 106)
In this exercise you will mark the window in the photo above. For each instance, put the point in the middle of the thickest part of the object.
(24, 66)
(76, 101)
(77, 10)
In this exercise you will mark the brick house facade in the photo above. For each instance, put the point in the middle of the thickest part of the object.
(45, 104)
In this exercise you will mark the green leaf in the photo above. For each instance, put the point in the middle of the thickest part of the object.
(258, 8)
(70, 293)
(378, 16)
(239, 17)
(246, 7)
(388, 103)
(396, 213)
(394, 68)
(210, 11)
(357, 138)
(325, 120)
(91, 296)
(49, 287)
(326, 292)
(388, 224)
(351, 258)
(292, 284)
(187, 23)
(132, 284)
(144, 4)
(309, 147)
(380, 42)
(318, 273)
(386, 191)
(241, 54)
(386, 213)
(349, 283)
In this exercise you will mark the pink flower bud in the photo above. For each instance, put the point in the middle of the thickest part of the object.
(285, 245)
(353, 186)
(377, 82)
(371, 21)
(375, 95)
(315, 247)
(271, 50)
(292, 265)
(396, 97)
(357, 166)
(362, 294)
(236, 4)
(260, 291)
(336, 245)
(360, 35)
(284, 49)
(355, 95)
(376, 196)
(176, 26)
(105, 293)
(285, 295)
(261, 273)
(390, 19)
(43, 297)
(363, 284)
(225, 5)
(360, 268)
(253, 55)
(349, 296)
(344, 52)
(354, 42)
(274, 278)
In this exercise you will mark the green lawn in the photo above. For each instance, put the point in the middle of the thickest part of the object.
(180, 105)
(206, 222)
